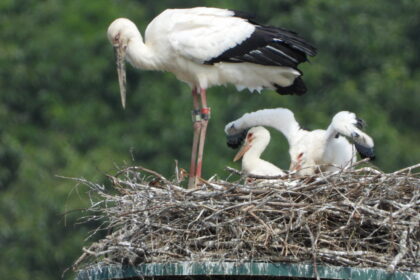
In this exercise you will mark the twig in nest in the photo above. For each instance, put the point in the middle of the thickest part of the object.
(313, 245)
(401, 253)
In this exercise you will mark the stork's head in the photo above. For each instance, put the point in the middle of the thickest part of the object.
(348, 124)
(120, 32)
(257, 139)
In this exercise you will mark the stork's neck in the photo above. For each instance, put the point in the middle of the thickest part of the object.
(140, 55)
(254, 153)
(330, 133)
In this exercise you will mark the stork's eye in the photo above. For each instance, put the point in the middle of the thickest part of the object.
(300, 156)
(249, 136)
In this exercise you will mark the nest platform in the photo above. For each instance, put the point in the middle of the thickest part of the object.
(353, 221)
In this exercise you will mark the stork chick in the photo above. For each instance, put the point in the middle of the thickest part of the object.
(256, 141)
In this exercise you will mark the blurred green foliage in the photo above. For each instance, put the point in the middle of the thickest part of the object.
(60, 111)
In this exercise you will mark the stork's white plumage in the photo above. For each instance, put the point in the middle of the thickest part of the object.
(310, 149)
(209, 46)
(255, 143)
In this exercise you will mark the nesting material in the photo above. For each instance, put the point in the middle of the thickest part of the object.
(359, 218)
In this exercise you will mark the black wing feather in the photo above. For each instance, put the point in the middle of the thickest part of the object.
(298, 87)
(365, 152)
(245, 15)
(268, 45)
(236, 140)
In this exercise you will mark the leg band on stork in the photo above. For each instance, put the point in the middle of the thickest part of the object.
(201, 116)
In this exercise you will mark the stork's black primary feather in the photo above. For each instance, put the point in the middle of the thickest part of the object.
(236, 140)
(365, 152)
(298, 87)
(268, 45)
(245, 15)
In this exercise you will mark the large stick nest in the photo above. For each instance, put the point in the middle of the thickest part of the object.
(361, 218)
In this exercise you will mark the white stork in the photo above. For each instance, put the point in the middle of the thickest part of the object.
(310, 149)
(257, 139)
(205, 47)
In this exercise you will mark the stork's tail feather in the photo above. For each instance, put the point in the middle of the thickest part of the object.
(298, 87)
(365, 152)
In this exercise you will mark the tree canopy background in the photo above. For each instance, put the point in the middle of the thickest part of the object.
(60, 111)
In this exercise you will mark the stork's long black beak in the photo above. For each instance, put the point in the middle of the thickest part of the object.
(120, 53)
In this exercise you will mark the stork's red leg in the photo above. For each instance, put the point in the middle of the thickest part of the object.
(205, 116)
(196, 115)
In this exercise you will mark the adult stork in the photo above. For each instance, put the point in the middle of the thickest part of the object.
(310, 150)
(256, 140)
(205, 47)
